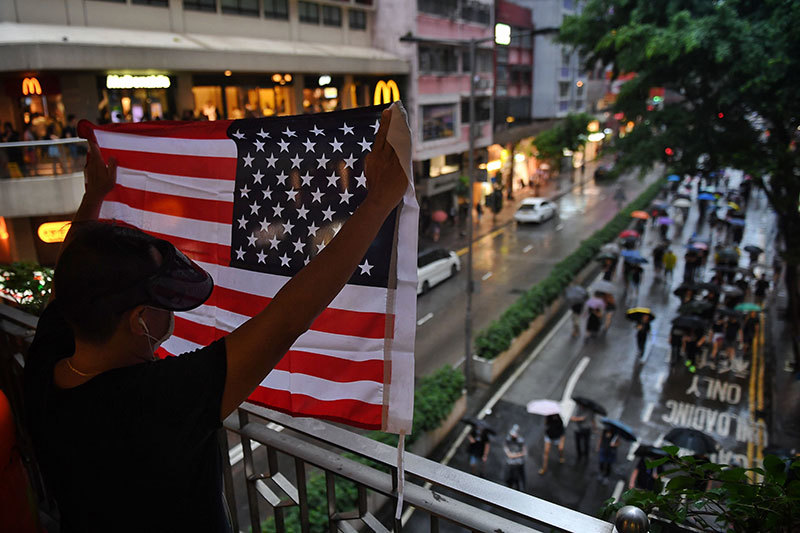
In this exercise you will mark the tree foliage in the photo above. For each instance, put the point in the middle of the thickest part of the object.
(570, 133)
(732, 503)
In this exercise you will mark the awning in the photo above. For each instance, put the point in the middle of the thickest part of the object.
(41, 47)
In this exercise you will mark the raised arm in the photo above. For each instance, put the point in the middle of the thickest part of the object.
(256, 346)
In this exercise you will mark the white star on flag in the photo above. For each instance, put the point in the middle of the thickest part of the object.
(348, 161)
(366, 146)
(239, 135)
(271, 160)
(346, 129)
(244, 191)
(332, 179)
(312, 230)
(254, 207)
(251, 239)
(284, 260)
(322, 161)
(296, 160)
(277, 209)
(376, 126)
(263, 134)
(302, 212)
(298, 245)
(365, 267)
(288, 227)
(292, 193)
(248, 161)
(242, 222)
(239, 254)
(317, 196)
(336, 145)
(267, 193)
(257, 177)
(274, 242)
(282, 178)
(328, 213)
(316, 131)
(361, 180)
(306, 179)
(309, 145)
(288, 132)
(261, 256)
(264, 224)
(284, 144)
(259, 145)
(320, 246)
(345, 197)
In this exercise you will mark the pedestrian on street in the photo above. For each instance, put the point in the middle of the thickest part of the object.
(691, 262)
(717, 337)
(577, 311)
(611, 306)
(609, 269)
(478, 449)
(692, 344)
(479, 211)
(516, 451)
(553, 432)
(762, 286)
(642, 332)
(619, 196)
(732, 332)
(750, 327)
(676, 336)
(593, 322)
(584, 424)
(636, 280)
(607, 452)
(669, 264)
(643, 477)
(658, 259)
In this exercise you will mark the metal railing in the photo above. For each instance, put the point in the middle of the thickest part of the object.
(56, 157)
(294, 451)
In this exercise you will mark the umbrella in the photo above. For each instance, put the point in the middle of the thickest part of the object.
(695, 307)
(673, 178)
(576, 294)
(605, 255)
(706, 286)
(684, 195)
(640, 215)
(682, 202)
(747, 307)
(727, 255)
(606, 287)
(682, 288)
(629, 233)
(623, 430)
(706, 196)
(590, 404)
(480, 425)
(610, 248)
(752, 249)
(633, 256)
(727, 311)
(439, 216)
(692, 439)
(689, 322)
(726, 269)
(736, 221)
(734, 206)
(636, 313)
(544, 407)
(595, 303)
(664, 221)
(646, 450)
(697, 246)
(732, 290)
(629, 242)
(696, 238)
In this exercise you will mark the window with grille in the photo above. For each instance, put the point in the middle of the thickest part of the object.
(275, 9)
(331, 16)
(240, 7)
(156, 3)
(309, 12)
(358, 19)
(200, 5)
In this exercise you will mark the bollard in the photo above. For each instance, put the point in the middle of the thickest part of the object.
(631, 519)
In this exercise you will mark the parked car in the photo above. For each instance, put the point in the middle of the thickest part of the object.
(535, 210)
(602, 173)
(434, 266)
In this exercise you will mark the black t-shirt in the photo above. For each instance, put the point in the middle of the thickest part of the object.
(134, 448)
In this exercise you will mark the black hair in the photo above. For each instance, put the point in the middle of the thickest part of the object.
(100, 260)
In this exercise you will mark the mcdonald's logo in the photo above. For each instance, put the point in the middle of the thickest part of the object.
(31, 86)
(386, 92)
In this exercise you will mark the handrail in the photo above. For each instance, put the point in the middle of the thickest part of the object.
(43, 142)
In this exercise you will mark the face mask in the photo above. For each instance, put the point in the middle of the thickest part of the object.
(154, 342)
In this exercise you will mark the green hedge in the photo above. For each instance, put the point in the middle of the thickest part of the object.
(434, 397)
(497, 337)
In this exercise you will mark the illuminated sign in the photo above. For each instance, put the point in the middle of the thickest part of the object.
(53, 231)
(386, 92)
(31, 86)
(330, 92)
(596, 136)
(127, 81)
(502, 34)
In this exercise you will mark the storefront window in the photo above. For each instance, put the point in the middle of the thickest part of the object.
(438, 121)
(445, 164)
(135, 105)
(276, 9)
(207, 102)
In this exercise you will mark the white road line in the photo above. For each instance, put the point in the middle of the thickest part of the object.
(632, 452)
(648, 411)
(567, 403)
(527, 249)
(424, 319)
(486, 276)
(236, 453)
(618, 490)
(559, 227)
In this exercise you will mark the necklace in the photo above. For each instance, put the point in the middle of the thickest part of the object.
(83, 374)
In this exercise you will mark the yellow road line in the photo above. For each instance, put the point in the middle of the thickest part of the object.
(751, 400)
(759, 342)
(493, 234)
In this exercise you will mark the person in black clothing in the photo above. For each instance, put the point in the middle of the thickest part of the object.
(692, 344)
(516, 451)
(732, 327)
(609, 268)
(676, 344)
(642, 332)
(691, 262)
(762, 286)
(642, 477)
(584, 422)
(478, 450)
(749, 331)
(128, 442)
(14, 154)
(553, 432)
(658, 258)
(607, 452)
(593, 322)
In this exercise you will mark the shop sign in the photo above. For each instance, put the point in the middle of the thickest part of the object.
(128, 81)
(386, 92)
(31, 86)
(51, 232)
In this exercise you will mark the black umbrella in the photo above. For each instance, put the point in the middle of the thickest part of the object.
(590, 404)
(706, 286)
(605, 256)
(479, 425)
(751, 249)
(728, 255)
(727, 311)
(576, 294)
(651, 452)
(683, 288)
(695, 307)
(689, 322)
(732, 290)
(692, 439)
(621, 429)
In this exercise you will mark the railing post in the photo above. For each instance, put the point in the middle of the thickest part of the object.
(227, 478)
(250, 475)
(302, 494)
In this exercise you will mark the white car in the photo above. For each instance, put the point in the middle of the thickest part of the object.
(535, 210)
(434, 266)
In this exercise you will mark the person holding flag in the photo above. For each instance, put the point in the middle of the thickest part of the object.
(101, 405)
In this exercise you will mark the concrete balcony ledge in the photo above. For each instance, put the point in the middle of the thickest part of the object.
(41, 196)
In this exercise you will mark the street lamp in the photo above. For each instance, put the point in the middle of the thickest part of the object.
(503, 35)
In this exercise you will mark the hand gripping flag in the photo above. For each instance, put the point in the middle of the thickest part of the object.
(253, 201)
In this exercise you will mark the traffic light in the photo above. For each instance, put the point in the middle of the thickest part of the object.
(720, 115)
(669, 151)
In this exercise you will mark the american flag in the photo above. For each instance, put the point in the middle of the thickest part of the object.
(253, 201)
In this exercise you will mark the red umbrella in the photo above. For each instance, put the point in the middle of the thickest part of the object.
(439, 216)
(629, 233)
(641, 215)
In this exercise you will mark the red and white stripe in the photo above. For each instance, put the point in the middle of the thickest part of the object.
(178, 183)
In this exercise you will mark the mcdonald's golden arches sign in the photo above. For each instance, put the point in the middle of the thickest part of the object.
(386, 92)
(31, 86)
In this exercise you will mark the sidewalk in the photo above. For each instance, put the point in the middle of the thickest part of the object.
(649, 396)
(555, 188)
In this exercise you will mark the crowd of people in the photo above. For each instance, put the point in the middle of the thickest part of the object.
(20, 161)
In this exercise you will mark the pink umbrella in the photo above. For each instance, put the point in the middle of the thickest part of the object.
(595, 303)
(439, 216)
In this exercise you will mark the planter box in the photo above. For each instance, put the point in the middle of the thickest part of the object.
(487, 370)
(430, 439)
